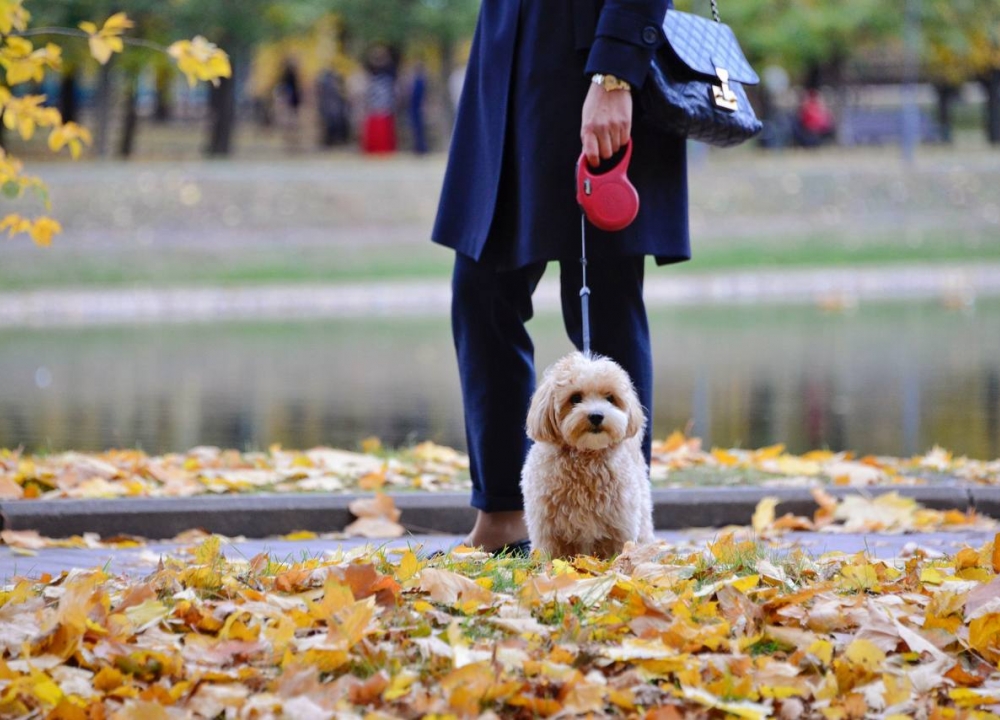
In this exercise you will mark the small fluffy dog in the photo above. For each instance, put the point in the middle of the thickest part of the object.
(585, 482)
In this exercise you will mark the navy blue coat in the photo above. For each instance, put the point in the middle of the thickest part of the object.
(508, 195)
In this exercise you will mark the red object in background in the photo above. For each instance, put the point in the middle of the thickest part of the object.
(814, 114)
(379, 134)
(609, 200)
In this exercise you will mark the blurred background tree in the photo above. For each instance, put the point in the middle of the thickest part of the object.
(26, 110)
(816, 43)
(963, 44)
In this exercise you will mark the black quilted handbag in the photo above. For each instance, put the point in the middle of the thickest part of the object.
(695, 85)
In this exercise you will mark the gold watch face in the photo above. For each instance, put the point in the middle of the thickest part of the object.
(610, 82)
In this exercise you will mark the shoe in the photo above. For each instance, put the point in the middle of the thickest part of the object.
(519, 549)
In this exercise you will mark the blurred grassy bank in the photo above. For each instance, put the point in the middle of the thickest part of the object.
(340, 217)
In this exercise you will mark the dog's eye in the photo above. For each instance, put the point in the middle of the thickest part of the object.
(576, 398)
(611, 399)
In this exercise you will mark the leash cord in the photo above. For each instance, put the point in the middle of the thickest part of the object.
(584, 291)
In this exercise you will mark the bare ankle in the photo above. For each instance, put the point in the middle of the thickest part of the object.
(494, 530)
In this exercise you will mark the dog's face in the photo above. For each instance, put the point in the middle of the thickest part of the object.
(585, 403)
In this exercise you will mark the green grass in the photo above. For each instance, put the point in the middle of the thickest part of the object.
(832, 250)
(62, 267)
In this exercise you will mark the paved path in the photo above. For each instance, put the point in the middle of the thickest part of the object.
(137, 562)
(838, 287)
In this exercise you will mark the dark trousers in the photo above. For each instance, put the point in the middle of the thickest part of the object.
(496, 356)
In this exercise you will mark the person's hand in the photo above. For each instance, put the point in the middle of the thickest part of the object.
(607, 123)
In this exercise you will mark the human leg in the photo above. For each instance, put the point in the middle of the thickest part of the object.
(619, 328)
(497, 374)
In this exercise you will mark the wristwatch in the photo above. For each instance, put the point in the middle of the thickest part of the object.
(609, 82)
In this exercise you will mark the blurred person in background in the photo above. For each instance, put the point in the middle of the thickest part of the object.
(814, 124)
(415, 108)
(378, 134)
(544, 78)
(333, 108)
(289, 93)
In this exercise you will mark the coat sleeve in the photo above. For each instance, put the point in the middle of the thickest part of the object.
(628, 33)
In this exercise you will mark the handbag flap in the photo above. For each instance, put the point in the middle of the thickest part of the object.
(704, 45)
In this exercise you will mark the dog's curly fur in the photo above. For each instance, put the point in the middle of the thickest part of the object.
(585, 482)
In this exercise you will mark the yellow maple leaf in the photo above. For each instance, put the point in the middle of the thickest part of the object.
(674, 442)
(408, 566)
(763, 514)
(107, 41)
(972, 697)
(26, 113)
(70, 135)
(15, 224)
(208, 552)
(13, 16)
(859, 578)
(864, 653)
(984, 635)
(25, 64)
(725, 458)
(43, 229)
(200, 59)
(399, 685)
(768, 453)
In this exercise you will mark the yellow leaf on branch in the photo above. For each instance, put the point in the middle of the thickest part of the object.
(24, 63)
(43, 229)
(69, 135)
(15, 224)
(107, 41)
(13, 16)
(200, 59)
(26, 113)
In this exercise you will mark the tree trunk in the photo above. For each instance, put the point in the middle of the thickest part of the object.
(222, 116)
(164, 88)
(992, 85)
(130, 122)
(946, 95)
(68, 105)
(105, 92)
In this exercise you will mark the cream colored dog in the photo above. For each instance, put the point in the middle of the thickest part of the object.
(585, 483)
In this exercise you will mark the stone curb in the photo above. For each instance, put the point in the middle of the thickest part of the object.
(422, 513)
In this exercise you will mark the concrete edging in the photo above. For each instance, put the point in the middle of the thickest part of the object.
(448, 512)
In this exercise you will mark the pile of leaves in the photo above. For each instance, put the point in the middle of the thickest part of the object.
(677, 461)
(736, 629)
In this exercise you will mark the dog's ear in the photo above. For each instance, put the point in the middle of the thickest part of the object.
(636, 416)
(543, 422)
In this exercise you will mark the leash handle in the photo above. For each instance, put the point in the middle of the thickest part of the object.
(584, 291)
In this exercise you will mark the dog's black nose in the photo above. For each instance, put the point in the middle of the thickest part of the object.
(595, 419)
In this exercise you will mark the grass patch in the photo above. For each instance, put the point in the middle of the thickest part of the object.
(62, 266)
(840, 249)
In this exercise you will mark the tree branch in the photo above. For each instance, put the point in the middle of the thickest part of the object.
(70, 32)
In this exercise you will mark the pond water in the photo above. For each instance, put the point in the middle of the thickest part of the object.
(883, 378)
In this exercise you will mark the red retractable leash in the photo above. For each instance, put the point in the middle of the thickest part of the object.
(610, 202)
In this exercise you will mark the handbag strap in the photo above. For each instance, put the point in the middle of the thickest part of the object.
(715, 11)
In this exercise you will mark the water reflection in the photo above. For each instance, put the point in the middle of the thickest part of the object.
(889, 379)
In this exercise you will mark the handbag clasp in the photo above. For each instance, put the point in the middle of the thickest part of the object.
(723, 96)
